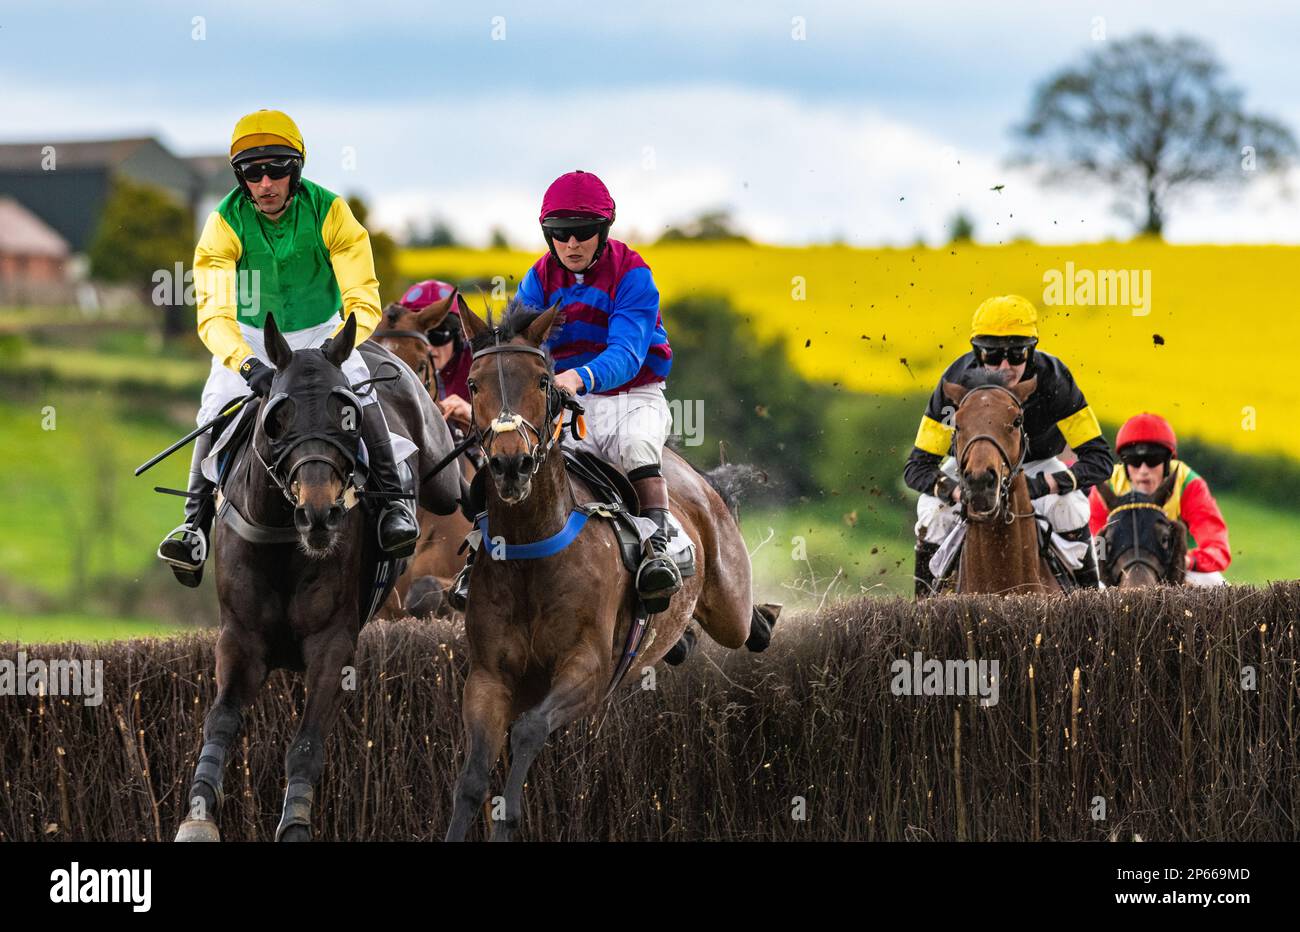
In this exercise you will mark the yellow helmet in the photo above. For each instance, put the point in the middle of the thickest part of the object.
(265, 133)
(1007, 315)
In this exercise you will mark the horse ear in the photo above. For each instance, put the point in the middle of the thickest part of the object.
(471, 323)
(1107, 494)
(1164, 490)
(434, 314)
(955, 391)
(277, 347)
(1023, 390)
(342, 345)
(540, 328)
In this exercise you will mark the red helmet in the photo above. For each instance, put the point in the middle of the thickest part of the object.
(422, 294)
(1147, 428)
(578, 193)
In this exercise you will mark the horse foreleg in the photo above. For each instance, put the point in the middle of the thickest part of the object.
(327, 653)
(241, 670)
(486, 713)
(575, 689)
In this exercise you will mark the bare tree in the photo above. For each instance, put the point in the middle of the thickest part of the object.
(1149, 118)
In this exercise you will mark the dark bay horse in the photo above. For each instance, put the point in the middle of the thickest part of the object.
(1000, 553)
(298, 598)
(1140, 544)
(545, 635)
(437, 559)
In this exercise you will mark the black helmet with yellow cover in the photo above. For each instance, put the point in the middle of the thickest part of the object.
(267, 135)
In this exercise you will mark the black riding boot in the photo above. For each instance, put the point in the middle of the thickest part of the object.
(1087, 576)
(458, 592)
(398, 531)
(186, 546)
(657, 578)
(678, 653)
(924, 578)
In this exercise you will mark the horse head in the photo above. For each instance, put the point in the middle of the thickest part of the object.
(990, 441)
(308, 433)
(517, 409)
(1141, 545)
(406, 334)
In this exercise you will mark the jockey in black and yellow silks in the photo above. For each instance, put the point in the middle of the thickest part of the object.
(280, 244)
(1004, 335)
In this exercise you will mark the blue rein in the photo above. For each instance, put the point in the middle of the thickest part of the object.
(547, 547)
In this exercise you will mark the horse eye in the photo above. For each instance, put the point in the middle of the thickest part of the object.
(1018, 421)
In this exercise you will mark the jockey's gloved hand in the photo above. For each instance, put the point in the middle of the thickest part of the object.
(1038, 486)
(258, 375)
(944, 487)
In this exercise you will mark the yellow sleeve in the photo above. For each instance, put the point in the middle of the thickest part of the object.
(215, 290)
(354, 267)
(934, 437)
(1079, 427)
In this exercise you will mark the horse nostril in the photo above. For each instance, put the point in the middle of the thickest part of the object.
(496, 464)
(526, 464)
(300, 520)
(335, 516)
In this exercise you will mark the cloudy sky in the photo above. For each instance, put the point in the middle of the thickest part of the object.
(879, 125)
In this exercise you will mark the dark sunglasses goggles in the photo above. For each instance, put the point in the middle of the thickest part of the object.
(253, 172)
(583, 232)
(993, 355)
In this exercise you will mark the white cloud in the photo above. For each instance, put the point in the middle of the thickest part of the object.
(791, 171)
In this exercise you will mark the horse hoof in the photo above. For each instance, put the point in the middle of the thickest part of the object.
(198, 830)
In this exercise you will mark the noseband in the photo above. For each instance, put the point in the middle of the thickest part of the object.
(1002, 501)
(508, 421)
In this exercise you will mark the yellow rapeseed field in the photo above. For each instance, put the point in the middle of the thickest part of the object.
(1201, 334)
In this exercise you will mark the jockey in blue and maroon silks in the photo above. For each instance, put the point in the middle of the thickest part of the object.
(612, 350)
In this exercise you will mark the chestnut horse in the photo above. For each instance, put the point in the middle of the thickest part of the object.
(1000, 553)
(437, 559)
(546, 635)
(1140, 545)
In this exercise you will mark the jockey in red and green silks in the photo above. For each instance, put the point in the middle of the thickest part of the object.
(279, 244)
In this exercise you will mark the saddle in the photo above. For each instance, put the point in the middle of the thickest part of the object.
(616, 501)
(1064, 575)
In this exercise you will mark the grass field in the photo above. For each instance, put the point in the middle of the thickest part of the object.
(854, 315)
(44, 629)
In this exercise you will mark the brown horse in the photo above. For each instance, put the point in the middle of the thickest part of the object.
(1000, 553)
(297, 559)
(1140, 545)
(545, 635)
(436, 560)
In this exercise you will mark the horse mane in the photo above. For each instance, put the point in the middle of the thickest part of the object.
(978, 378)
(514, 320)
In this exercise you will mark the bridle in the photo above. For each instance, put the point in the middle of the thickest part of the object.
(282, 469)
(508, 421)
(1002, 500)
(427, 372)
(1160, 568)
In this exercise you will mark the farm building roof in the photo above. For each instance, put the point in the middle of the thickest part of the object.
(22, 233)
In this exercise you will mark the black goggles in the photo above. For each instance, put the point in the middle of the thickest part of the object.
(1148, 458)
(993, 355)
(253, 172)
(441, 336)
(583, 233)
